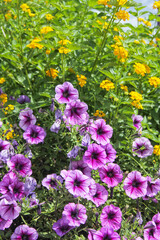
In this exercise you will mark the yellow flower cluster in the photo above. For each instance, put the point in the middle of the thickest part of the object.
(136, 41)
(9, 108)
(35, 44)
(122, 14)
(154, 81)
(8, 134)
(124, 88)
(48, 51)
(121, 2)
(45, 30)
(121, 53)
(156, 4)
(104, 2)
(7, 1)
(3, 98)
(64, 42)
(107, 84)
(156, 150)
(82, 80)
(136, 97)
(52, 73)
(147, 23)
(8, 15)
(64, 50)
(49, 17)
(2, 80)
(25, 8)
(141, 69)
(99, 113)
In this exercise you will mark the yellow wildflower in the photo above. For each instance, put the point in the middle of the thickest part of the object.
(52, 73)
(64, 50)
(104, 2)
(136, 96)
(122, 2)
(49, 17)
(30, 14)
(64, 42)
(107, 84)
(15, 17)
(115, 29)
(156, 5)
(140, 19)
(148, 70)
(35, 44)
(121, 53)
(8, 134)
(122, 14)
(156, 150)
(24, 7)
(124, 88)
(99, 113)
(140, 69)
(136, 41)
(2, 80)
(82, 80)
(143, 41)
(8, 15)
(154, 81)
(3, 98)
(48, 51)
(45, 30)
(7, 1)
(148, 23)
(137, 104)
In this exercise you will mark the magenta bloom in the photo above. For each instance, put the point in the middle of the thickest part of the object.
(106, 234)
(76, 113)
(142, 147)
(16, 190)
(82, 166)
(4, 223)
(20, 164)
(7, 180)
(111, 174)
(61, 227)
(100, 196)
(75, 214)
(135, 185)
(111, 217)
(26, 118)
(110, 152)
(91, 233)
(95, 156)
(24, 232)
(151, 232)
(23, 99)
(52, 181)
(4, 145)
(4, 151)
(66, 93)
(153, 187)
(100, 132)
(156, 219)
(137, 119)
(77, 183)
(34, 134)
(9, 209)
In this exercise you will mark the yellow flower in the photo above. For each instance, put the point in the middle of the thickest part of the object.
(140, 69)
(156, 150)
(122, 14)
(9, 134)
(45, 30)
(136, 41)
(140, 19)
(115, 29)
(49, 17)
(30, 14)
(8, 15)
(2, 80)
(156, 4)
(136, 96)
(104, 2)
(137, 104)
(7, 1)
(48, 51)
(143, 41)
(125, 88)
(154, 81)
(99, 113)
(122, 2)
(121, 53)
(3, 98)
(52, 73)
(64, 42)
(64, 50)
(15, 17)
(82, 80)
(148, 23)
(24, 7)
(148, 70)
(35, 44)
(107, 84)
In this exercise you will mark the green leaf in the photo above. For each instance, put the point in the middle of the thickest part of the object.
(124, 79)
(108, 74)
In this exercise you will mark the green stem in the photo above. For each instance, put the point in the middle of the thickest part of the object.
(63, 70)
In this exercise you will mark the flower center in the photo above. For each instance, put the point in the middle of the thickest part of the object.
(94, 155)
(77, 183)
(66, 94)
(135, 184)
(106, 237)
(74, 110)
(100, 131)
(74, 214)
(111, 215)
(53, 183)
(34, 134)
(110, 174)
(25, 237)
(151, 232)
(64, 228)
(18, 166)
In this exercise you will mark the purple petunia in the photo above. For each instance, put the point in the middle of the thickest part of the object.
(111, 217)
(110, 152)
(142, 147)
(4, 150)
(52, 181)
(66, 93)
(100, 195)
(29, 185)
(106, 234)
(20, 164)
(100, 132)
(7, 180)
(82, 166)
(74, 152)
(77, 183)
(23, 99)
(95, 156)
(61, 227)
(16, 190)
(34, 134)
(135, 185)
(9, 209)
(76, 113)
(75, 214)
(111, 174)
(86, 140)
(26, 118)
(153, 187)
(151, 232)
(56, 126)
(137, 119)
(4, 223)
(24, 232)
(156, 219)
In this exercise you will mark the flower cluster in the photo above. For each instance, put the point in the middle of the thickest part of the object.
(104, 2)
(147, 23)
(107, 84)
(141, 69)
(156, 150)
(99, 113)
(64, 50)
(25, 8)
(154, 81)
(64, 42)
(156, 4)
(49, 17)
(35, 44)
(46, 29)
(82, 80)
(2, 80)
(121, 53)
(136, 97)
(52, 73)
(124, 88)
(122, 14)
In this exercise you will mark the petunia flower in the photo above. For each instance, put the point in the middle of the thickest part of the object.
(137, 119)
(82, 166)
(153, 187)
(66, 93)
(34, 134)
(61, 227)
(142, 147)
(106, 233)
(110, 152)
(4, 223)
(52, 181)
(26, 118)
(9, 209)
(23, 99)
(24, 232)
(151, 232)
(100, 195)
